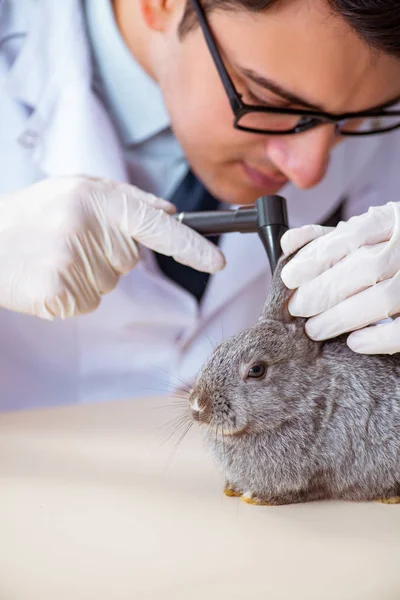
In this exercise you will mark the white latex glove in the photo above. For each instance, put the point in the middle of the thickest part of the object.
(66, 241)
(348, 278)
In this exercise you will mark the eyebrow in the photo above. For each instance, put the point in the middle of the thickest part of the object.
(277, 89)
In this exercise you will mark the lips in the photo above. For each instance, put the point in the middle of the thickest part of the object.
(268, 182)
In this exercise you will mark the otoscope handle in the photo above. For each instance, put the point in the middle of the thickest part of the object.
(272, 224)
(270, 236)
(217, 222)
(268, 217)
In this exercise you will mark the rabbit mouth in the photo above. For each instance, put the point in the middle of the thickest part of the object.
(245, 430)
(217, 414)
(226, 430)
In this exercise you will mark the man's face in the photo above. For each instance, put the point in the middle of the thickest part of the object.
(301, 47)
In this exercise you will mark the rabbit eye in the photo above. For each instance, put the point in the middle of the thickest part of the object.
(256, 371)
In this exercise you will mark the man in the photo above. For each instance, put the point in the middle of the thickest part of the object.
(255, 97)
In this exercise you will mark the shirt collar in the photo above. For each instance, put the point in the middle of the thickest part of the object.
(134, 100)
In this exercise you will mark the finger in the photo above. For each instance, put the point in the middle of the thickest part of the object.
(159, 232)
(149, 199)
(67, 302)
(378, 339)
(356, 272)
(98, 265)
(293, 239)
(46, 294)
(373, 227)
(68, 292)
(133, 194)
(369, 306)
(121, 253)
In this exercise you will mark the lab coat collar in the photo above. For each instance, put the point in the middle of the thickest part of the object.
(68, 126)
(48, 57)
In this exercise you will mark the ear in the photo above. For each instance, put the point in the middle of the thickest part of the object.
(276, 305)
(157, 14)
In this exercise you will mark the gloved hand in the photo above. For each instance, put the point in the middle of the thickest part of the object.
(66, 241)
(348, 278)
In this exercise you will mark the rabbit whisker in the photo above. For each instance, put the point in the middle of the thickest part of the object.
(213, 343)
(167, 430)
(176, 446)
(181, 403)
(185, 383)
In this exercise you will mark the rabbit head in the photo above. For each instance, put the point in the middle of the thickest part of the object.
(257, 379)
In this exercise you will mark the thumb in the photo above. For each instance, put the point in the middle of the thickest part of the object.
(293, 239)
(378, 339)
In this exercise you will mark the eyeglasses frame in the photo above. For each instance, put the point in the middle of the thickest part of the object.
(240, 108)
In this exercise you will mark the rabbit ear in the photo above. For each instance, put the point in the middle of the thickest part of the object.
(276, 305)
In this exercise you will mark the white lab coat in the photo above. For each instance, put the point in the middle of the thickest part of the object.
(147, 334)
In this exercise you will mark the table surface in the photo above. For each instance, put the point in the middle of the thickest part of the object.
(92, 507)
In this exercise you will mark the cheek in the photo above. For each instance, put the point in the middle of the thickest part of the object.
(195, 98)
(202, 120)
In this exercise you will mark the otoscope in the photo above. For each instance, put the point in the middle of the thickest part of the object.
(268, 217)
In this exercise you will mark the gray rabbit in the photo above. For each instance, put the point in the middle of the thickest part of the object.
(292, 420)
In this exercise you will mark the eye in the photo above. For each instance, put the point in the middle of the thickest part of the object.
(270, 103)
(256, 371)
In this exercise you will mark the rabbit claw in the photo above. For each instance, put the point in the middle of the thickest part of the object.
(250, 499)
(391, 500)
(231, 493)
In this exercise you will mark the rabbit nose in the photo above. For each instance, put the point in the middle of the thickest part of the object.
(197, 403)
(201, 406)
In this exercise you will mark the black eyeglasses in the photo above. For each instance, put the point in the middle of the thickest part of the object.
(285, 121)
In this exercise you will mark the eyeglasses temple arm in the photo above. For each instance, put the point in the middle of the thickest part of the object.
(234, 97)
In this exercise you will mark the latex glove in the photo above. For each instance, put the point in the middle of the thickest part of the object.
(348, 278)
(66, 241)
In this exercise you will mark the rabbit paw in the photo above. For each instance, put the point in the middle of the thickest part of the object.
(392, 500)
(249, 498)
(230, 491)
(270, 500)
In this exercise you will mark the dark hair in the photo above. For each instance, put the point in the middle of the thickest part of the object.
(377, 22)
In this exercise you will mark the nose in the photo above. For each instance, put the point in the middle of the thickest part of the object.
(197, 402)
(201, 406)
(303, 157)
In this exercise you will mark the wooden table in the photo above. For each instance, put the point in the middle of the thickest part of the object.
(88, 511)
